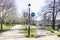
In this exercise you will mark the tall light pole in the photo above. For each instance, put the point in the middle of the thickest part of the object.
(29, 21)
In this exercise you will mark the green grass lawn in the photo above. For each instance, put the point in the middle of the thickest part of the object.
(32, 31)
(56, 32)
(6, 27)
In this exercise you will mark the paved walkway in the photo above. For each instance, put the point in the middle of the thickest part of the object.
(15, 33)
(42, 33)
(45, 35)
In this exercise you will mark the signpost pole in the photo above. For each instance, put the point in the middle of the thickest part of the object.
(29, 21)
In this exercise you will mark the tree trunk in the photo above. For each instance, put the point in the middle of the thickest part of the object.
(53, 19)
(53, 25)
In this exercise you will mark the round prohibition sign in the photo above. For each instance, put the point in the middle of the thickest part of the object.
(25, 14)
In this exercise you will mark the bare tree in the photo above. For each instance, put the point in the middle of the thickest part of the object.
(6, 7)
(53, 9)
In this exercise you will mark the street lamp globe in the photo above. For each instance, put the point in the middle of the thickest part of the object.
(29, 4)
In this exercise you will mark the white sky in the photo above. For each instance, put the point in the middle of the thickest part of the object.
(35, 6)
(23, 4)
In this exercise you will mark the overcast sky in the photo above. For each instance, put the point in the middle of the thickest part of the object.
(35, 5)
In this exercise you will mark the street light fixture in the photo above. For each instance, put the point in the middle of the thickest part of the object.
(29, 21)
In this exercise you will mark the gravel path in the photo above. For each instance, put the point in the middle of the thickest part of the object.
(15, 33)
(45, 35)
(42, 33)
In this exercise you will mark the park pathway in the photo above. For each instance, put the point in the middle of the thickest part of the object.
(15, 33)
(45, 35)
(42, 33)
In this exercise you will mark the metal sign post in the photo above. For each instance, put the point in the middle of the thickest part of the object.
(29, 21)
(32, 14)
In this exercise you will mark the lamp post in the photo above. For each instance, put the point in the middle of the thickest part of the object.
(29, 21)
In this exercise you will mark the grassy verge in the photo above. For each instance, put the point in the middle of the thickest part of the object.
(6, 27)
(56, 32)
(32, 31)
